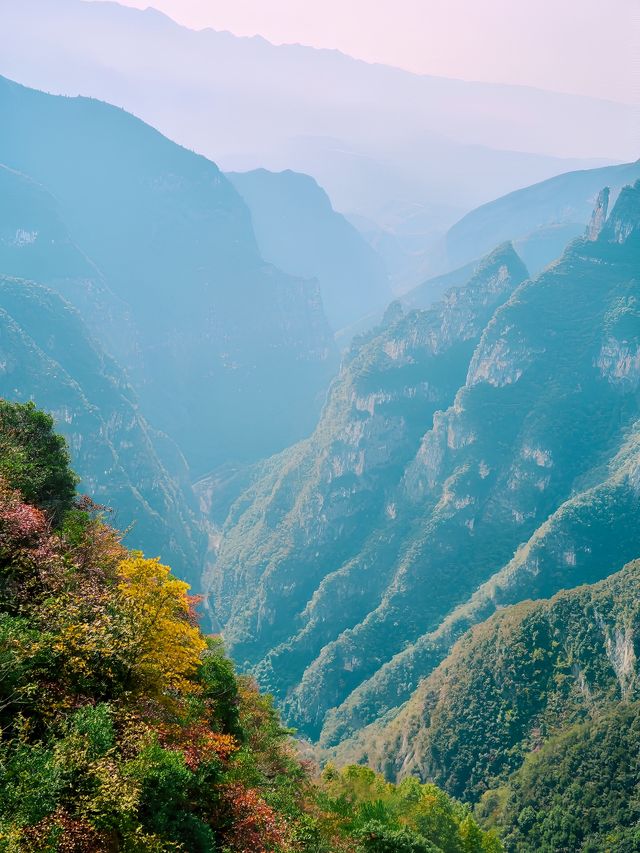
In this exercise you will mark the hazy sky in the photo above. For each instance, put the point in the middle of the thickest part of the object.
(581, 46)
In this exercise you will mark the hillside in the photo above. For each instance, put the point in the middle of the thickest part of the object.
(577, 792)
(534, 716)
(36, 244)
(540, 219)
(513, 683)
(150, 214)
(540, 704)
(125, 729)
(516, 486)
(299, 232)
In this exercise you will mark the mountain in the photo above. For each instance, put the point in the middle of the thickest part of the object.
(509, 460)
(206, 325)
(48, 356)
(387, 144)
(311, 510)
(298, 231)
(540, 219)
(512, 683)
(35, 244)
(504, 467)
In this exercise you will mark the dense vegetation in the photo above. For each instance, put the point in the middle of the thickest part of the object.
(125, 729)
(578, 793)
(34, 459)
(510, 684)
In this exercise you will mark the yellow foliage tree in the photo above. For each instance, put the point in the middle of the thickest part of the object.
(167, 646)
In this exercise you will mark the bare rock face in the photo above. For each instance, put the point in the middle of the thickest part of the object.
(309, 513)
(624, 222)
(599, 215)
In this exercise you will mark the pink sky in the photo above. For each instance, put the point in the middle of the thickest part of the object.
(580, 46)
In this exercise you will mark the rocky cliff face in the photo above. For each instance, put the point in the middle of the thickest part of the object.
(526, 433)
(502, 492)
(293, 543)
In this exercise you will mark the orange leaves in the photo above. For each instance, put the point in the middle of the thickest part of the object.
(197, 742)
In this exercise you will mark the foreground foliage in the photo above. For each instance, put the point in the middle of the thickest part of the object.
(123, 728)
(407, 818)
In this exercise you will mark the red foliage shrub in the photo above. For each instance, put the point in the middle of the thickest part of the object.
(252, 826)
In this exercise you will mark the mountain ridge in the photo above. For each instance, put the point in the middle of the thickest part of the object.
(174, 217)
(557, 351)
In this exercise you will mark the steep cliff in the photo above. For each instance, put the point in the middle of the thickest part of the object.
(548, 412)
(288, 548)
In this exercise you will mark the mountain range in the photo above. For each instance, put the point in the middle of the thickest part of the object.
(196, 316)
(426, 549)
(469, 456)
(411, 153)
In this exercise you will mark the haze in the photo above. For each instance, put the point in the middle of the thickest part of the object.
(580, 46)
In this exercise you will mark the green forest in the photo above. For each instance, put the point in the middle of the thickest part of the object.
(124, 728)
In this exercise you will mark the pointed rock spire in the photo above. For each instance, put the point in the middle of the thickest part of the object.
(624, 221)
(599, 215)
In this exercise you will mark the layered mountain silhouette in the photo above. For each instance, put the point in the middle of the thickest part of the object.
(540, 219)
(410, 152)
(175, 288)
(298, 230)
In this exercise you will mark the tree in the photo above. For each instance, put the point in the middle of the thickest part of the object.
(34, 460)
(165, 646)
